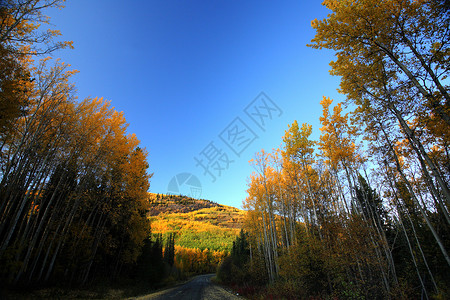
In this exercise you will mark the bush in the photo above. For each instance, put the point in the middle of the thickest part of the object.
(224, 271)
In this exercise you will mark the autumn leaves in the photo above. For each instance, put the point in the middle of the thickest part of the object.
(73, 183)
(315, 199)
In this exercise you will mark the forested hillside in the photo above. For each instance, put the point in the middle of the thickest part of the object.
(362, 212)
(203, 231)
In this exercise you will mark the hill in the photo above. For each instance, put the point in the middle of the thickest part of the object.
(197, 224)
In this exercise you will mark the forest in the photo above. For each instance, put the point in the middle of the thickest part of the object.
(202, 231)
(362, 212)
(73, 182)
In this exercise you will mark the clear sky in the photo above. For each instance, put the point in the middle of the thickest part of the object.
(188, 76)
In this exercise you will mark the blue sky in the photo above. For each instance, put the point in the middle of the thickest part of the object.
(183, 73)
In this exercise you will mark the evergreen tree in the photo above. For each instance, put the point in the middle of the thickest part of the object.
(169, 250)
(150, 262)
(240, 252)
(370, 203)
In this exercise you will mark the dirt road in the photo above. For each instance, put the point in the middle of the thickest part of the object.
(199, 288)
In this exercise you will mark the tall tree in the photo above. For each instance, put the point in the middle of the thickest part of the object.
(19, 27)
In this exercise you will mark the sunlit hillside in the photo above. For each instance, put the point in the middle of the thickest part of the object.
(196, 223)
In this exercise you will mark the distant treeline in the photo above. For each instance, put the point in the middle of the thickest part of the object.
(203, 230)
(177, 204)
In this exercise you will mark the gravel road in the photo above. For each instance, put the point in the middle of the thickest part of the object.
(199, 288)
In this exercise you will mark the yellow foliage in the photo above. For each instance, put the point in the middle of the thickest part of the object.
(197, 261)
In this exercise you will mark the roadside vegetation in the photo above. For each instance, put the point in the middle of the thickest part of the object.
(362, 212)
